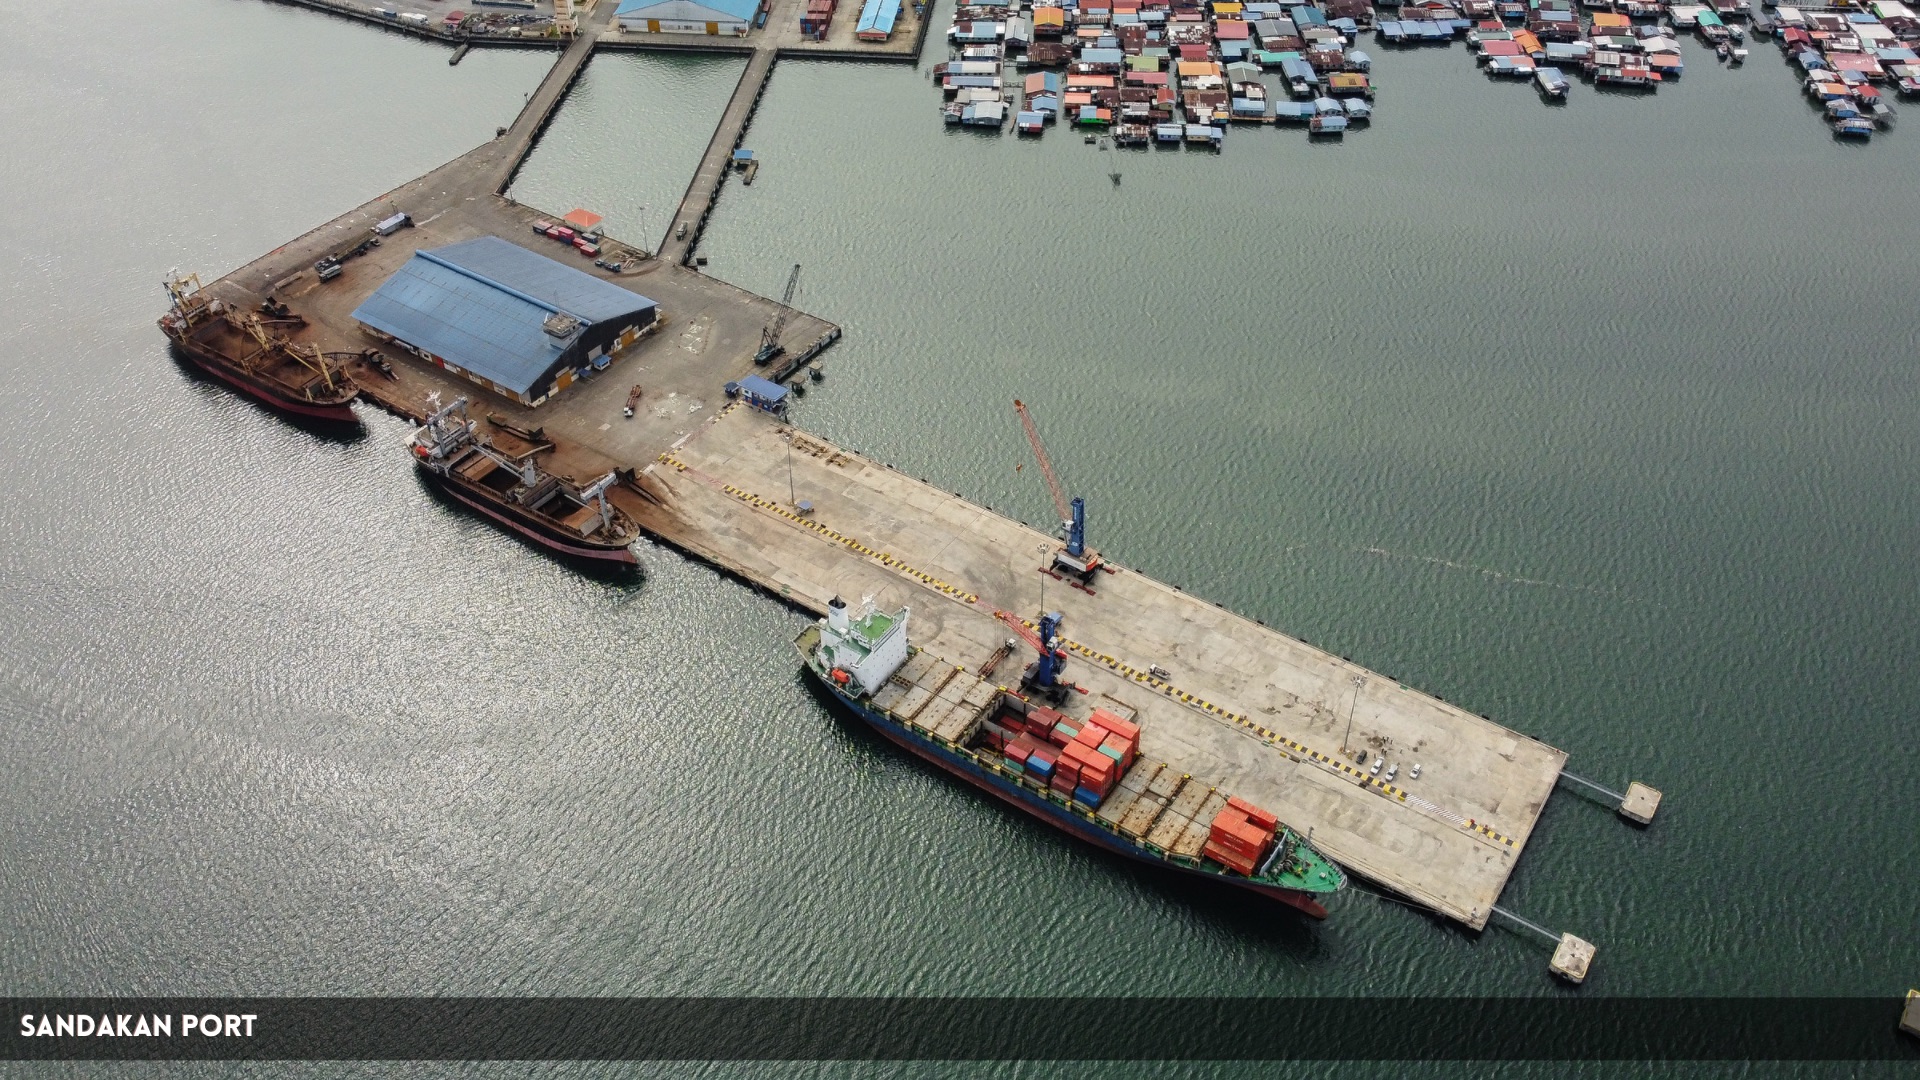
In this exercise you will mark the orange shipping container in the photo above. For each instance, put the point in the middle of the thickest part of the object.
(1102, 770)
(1239, 834)
(1254, 814)
(1083, 754)
(1126, 729)
(1092, 760)
(1228, 859)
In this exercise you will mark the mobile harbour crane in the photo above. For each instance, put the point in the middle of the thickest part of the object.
(1075, 563)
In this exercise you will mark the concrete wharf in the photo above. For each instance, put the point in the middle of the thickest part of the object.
(1246, 708)
(709, 333)
(690, 220)
(1238, 705)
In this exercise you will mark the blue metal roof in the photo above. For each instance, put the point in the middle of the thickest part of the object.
(482, 303)
(878, 16)
(764, 389)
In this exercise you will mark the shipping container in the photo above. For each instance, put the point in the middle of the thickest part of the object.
(1259, 817)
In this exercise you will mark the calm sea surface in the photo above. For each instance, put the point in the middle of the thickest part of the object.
(1598, 419)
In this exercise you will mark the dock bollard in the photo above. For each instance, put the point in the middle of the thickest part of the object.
(1910, 1018)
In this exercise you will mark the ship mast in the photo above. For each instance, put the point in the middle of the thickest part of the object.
(597, 493)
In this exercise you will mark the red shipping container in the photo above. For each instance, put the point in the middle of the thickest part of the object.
(1018, 749)
(1062, 783)
(1046, 753)
(1254, 814)
(1042, 714)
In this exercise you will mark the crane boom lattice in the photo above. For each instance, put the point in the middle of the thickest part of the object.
(1026, 632)
(1046, 463)
(770, 336)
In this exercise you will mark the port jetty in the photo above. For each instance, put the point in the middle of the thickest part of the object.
(599, 359)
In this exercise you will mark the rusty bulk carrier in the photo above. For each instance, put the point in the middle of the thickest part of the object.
(513, 492)
(251, 352)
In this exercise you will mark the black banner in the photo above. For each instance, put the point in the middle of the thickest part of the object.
(963, 1029)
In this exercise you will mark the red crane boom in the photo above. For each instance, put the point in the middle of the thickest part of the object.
(1025, 631)
(1046, 465)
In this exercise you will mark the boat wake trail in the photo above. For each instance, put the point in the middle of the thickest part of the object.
(1501, 577)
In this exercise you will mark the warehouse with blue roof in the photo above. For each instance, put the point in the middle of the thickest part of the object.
(512, 320)
(688, 16)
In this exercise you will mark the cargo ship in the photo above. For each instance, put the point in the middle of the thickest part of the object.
(515, 493)
(250, 352)
(1082, 775)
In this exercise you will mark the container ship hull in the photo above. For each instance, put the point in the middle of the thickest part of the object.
(1049, 812)
(531, 526)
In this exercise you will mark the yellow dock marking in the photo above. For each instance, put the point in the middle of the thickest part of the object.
(1113, 663)
(1271, 737)
(881, 557)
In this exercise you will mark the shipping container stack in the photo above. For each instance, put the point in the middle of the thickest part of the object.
(1081, 760)
(1241, 835)
(818, 18)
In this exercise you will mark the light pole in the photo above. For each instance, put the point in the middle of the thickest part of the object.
(1042, 549)
(792, 499)
(1358, 682)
